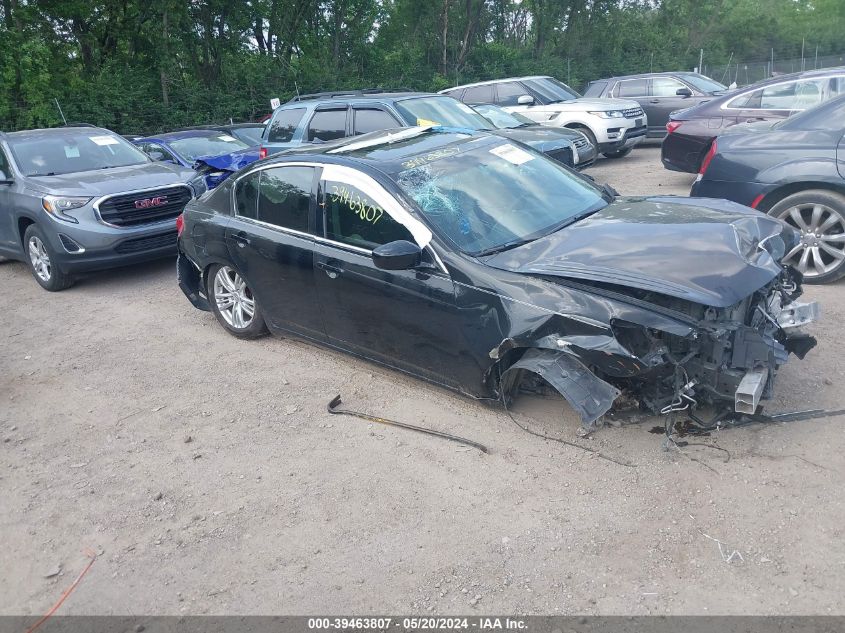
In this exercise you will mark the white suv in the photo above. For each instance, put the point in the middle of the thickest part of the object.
(614, 126)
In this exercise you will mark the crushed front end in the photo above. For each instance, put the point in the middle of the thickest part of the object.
(731, 355)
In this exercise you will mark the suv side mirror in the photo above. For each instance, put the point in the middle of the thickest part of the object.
(156, 155)
(683, 92)
(398, 255)
(525, 100)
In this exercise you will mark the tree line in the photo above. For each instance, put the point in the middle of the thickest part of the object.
(147, 65)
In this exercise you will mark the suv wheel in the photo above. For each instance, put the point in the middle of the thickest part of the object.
(42, 261)
(233, 303)
(619, 153)
(820, 217)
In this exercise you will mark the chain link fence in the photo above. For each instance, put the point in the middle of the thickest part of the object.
(745, 73)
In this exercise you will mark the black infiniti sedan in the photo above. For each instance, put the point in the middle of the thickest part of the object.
(468, 260)
(692, 130)
(793, 170)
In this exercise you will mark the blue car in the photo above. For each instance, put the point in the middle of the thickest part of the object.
(214, 154)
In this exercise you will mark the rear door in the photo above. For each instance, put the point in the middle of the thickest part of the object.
(271, 242)
(636, 90)
(404, 318)
(328, 123)
(367, 118)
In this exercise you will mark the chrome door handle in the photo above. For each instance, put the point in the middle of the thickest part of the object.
(333, 272)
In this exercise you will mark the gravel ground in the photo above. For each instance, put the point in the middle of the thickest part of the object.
(209, 478)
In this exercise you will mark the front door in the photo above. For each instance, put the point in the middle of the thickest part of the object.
(663, 100)
(271, 243)
(404, 318)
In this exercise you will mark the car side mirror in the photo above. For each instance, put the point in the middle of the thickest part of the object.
(525, 100)
(683, 92)
(398, 255)
(156, 155)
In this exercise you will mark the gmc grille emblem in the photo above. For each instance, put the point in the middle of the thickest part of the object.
(146, 203)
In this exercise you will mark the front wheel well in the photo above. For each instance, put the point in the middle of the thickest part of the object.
(776, 195)
(23, 224)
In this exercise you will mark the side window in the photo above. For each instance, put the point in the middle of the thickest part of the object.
(372, 120)
(779, 97)
(632, 88)
(665, 87)
(158, 152)
(478, 94)
(284, 197)
(246, 196)
(353, 218)
(509, 92)
(808, 94)
(327, 125)
(595, 89)
(749, 100)
(284, 125)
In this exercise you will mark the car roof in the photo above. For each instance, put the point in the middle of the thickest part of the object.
(55, 131)
(180, 134)
(354, 95)
(384, 150)
(496, 81)
(668, 73)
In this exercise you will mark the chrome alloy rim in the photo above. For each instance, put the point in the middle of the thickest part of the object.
(233, 298)
(822, 246)
(39, 258)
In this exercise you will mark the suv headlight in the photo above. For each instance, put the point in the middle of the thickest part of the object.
(58, 206)
(609, 114)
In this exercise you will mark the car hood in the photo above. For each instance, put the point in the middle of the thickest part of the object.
(229, 162)
(541, 138)
(588, 103)
(706, 251)
(108, 181)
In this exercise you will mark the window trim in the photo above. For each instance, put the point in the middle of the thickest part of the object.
(724, 106)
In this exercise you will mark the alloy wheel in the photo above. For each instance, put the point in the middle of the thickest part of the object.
(822, 246)
(233, 298)
(39, 258)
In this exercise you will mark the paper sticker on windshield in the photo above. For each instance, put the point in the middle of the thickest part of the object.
(104, 140)
(227, 138)
(512, 154)
(427, 122)
(71, 151)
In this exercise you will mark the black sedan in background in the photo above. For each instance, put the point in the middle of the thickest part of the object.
(468, 260)
(793, 170)
(691, 131)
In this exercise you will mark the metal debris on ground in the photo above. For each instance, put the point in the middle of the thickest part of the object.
(336, 401)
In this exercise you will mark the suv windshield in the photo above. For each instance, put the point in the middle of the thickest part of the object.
(495, 195)
(704, 84)
(193, 147)
(551, 90)
(444, 111)
(503, 119)
(71, 151)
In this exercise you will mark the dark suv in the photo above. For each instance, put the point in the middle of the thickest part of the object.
(82, 198)
(328, 116)
(658, 94)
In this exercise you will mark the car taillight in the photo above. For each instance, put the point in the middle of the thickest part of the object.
(672, 126)
(180, 224)
(262, 152)
(710, 154)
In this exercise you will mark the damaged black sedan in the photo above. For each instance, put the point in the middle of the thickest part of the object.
(472, 262)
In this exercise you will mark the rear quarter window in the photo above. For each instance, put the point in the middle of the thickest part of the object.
(284, 125)
(596, 89)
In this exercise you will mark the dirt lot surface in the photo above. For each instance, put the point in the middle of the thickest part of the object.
(209, 478)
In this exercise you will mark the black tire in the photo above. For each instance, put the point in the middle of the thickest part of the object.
(621, 153)
(227, 317)
(822, 214)
(41, 259)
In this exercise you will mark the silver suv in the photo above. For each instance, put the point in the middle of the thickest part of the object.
(75, 199)
(614, 126)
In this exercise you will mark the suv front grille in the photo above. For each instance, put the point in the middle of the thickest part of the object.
(149, 243)
(144, 207)
(632, 113)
